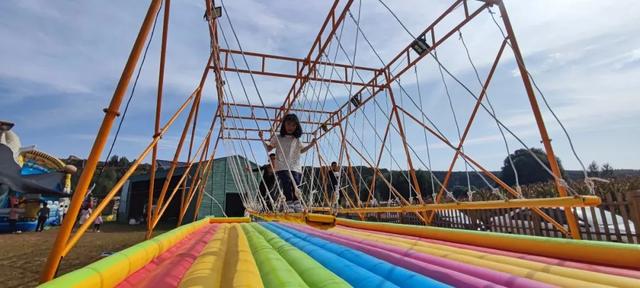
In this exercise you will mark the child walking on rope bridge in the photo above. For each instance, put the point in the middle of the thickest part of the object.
(288, 149)
(268, 180)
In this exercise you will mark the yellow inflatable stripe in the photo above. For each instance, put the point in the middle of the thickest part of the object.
(240, 269)
(462, 256)
(206, 270)
(229, 220)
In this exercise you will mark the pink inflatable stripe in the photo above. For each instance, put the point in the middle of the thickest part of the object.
(540, 259)
(168, 268)
(448, 271)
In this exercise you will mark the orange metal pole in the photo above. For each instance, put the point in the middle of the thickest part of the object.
(356, 188)
(581, 201)
(412, 171)
(184, 184)
(174, 163)
(56, 255)
(349, 201)
(116, 188)
(206, 178)
(403, 56)
(277, 108)
(165, 186)
(373, 180)
(391, 188)
(202, 149)
(555, 168)
(484, 171)
(310, 64)
(154, 153)
(184, 205)
(474, 112)
(294, 76)
(291, 59)
(182, 179)
(195, 182)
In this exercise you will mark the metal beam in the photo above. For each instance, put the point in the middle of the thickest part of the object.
(402, 62)
(579, 201)
(274, 66)
(320, 44)
(555, 168)
(275, 108)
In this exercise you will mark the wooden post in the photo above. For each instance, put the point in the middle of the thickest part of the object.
(634, 209)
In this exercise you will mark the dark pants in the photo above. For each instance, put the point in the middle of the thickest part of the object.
(288, 188)
(13, 225)
(96, 227)
(266, 186)
(40, 226)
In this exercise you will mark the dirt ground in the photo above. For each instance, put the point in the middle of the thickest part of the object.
(22, 256)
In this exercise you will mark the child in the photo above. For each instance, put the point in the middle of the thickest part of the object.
(288, 149)
(43, 215)
(334, 177)
(13, 219)
(96, 223)
(268, 180)
(84, 215)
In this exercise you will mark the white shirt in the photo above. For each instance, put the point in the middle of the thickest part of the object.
(288, 150)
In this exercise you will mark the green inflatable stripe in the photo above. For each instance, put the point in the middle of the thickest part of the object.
(84, 277)
(274, 270)
(312, 272)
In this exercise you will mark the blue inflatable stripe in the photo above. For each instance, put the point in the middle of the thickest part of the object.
(355, 275)
(397, 275)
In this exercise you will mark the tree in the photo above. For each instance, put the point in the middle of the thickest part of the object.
(123, 162)
(593, 170)
(606, 171)
(113, 161)
(424, 180)
(528, 168)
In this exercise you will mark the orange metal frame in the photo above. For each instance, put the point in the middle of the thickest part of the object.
(306, 71)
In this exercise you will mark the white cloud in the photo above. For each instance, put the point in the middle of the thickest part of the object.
(583, 53)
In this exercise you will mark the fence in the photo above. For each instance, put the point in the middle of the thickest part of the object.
(616, 219)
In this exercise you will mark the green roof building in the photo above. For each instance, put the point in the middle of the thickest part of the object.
(220, 196)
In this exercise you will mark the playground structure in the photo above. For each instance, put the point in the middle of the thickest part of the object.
(343, 252)
(30, 178)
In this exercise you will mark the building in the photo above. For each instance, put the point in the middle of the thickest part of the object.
(221, 195)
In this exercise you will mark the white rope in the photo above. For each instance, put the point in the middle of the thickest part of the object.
(486, 96)
(278, 144)
(217, 203)
(483, 106)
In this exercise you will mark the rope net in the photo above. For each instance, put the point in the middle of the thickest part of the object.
(378, 137)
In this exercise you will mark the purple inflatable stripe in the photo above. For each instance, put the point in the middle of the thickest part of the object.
(449, 271)
(541, 259)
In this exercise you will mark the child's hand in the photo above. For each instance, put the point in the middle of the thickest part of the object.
(260, 134)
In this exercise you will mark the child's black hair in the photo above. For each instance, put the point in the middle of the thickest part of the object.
(292, 118)
(334, 163)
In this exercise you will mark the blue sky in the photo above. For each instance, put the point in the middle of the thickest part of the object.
(61, 61)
